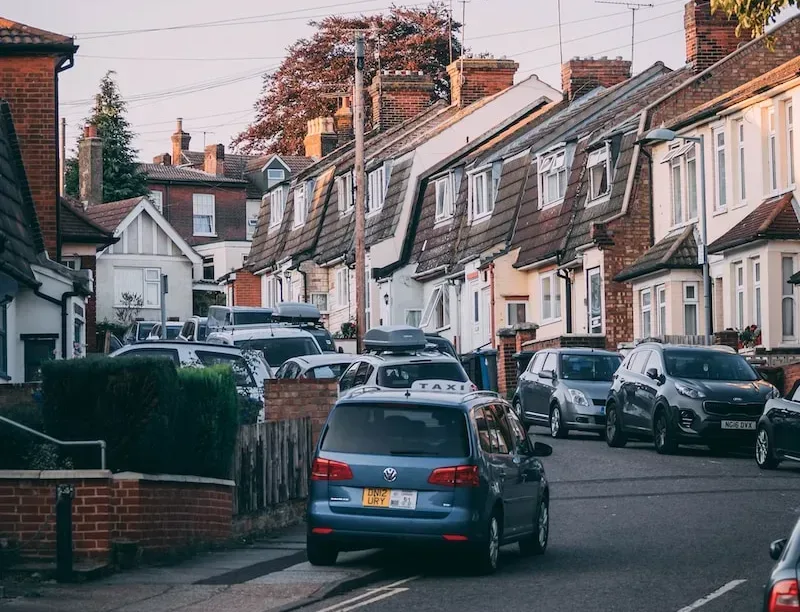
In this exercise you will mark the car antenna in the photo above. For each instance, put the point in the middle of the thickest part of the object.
(408, 393)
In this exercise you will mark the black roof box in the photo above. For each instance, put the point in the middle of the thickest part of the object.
(296, 312)
(397, 338)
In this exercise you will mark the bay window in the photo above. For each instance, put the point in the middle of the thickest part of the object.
(690, 308)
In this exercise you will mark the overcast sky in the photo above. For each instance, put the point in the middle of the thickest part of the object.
(210, 75)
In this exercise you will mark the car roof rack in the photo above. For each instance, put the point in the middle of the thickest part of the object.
(395, 338)
(296, 312)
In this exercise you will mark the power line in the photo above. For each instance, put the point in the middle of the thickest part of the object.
(180, 59)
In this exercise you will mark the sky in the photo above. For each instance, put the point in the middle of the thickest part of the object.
(211, 75)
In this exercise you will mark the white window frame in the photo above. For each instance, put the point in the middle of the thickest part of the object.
(691, 302)
(439, 298)
(676, 191)
(416, 320)
(481, 202)
(273, 178)
(272, 294)
(772, 151)
(741, 161)
(150, 278)
(343, 287)
(661, 310)
(205, 203)
(646, 312)
(320, 300)
(277, 206)
(376, 189)
(789, 294)
(788, 110)
(445, 197)
(720, 169)
(738, 295)
(367, 297)
(599, 157)
(301, 198)
(252, 224)
(515, 304)
(552, 166)
(683, 195)
(156, 198)
(344, 191)
(756, 268)
(554, 297)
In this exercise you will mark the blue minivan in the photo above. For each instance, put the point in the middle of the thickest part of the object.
(435, 469)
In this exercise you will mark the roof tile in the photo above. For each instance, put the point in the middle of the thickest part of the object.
(677, 250)
(774, 219)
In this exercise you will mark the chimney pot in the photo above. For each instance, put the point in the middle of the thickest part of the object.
(180, 142)
(321, 137)
(90, 131)
(399, 96)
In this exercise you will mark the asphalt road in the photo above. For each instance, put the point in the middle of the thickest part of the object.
(631, 531)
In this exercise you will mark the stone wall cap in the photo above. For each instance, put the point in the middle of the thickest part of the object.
(525, 327)
(54, 474)
(177, 478)
(506, 332)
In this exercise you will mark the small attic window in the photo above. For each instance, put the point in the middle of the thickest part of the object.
(552, 178)
(599, 170)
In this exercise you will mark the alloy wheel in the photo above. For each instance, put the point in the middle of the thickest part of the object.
(555, 422)
(762, 446)
(611, 424)
(661, 432)
(544, 523)
(494, 542)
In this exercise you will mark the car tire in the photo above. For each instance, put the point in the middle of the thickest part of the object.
(765, 453)
(615, 436)
(536, 543)
(557, 427)
(320, 553)
(487, 553)
(663, 439)
(517, 405)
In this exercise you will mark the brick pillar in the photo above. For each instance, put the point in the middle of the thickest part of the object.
(89, 262)
(727, 337)
(289, 398)
(525, 333)
(246, 289)
(506, 366)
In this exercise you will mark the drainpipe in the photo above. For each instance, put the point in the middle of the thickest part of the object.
(63, 304)
(492, 323)
(64, 64)
(568, 297)
(305, 284)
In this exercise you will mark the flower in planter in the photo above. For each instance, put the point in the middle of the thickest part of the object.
(750, 336)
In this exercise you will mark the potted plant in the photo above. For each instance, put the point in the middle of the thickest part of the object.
(750, 336)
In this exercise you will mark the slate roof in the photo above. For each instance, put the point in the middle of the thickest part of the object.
(76, 226)
(301, 240)
(111, 214)
(235, 163)
(178, 174)
(677, 250)
(268, 241)
(15, 35)
(296, 163)
(20, 235)
(775, 218)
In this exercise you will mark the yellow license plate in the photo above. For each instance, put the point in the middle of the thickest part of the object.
(375, 498)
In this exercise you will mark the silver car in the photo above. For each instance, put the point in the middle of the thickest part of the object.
(566, 389)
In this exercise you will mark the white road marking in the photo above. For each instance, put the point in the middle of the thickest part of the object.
(712, 596)
(366, 602)
(370, 596)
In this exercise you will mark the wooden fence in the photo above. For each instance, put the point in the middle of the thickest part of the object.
(272, 463)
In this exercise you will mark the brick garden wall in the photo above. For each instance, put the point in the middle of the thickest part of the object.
(17, 395)
(246, 289)
(286, 399)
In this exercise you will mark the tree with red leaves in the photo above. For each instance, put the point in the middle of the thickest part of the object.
(317, 68)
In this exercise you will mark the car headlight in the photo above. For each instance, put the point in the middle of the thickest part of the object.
(578, 398)
(773, 393)
(688, 391)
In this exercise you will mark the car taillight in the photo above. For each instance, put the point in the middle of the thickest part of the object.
(784, 597)
(459, 476)
(327, 469)
(473, 387)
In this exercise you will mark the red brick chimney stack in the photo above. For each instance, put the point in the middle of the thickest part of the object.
(214, 162)
(709, 38)
(90, 167)
(320, 138)
(399, 95)
(343, 121)
(180, 142)
(481, 77)
(164, 159)
(580, 75)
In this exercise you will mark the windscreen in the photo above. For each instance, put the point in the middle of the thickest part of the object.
(144, 330)
(278, 350)
(397, 429)
(403, 375)
(333, 370)
(252, 318)
(202, 331)
(173, 331)
(707, 365)
(589, 367)
(241, 372)
(323, 338)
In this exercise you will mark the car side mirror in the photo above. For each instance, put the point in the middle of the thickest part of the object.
(548, 374)
(653, 373)
(341, 349)
(776, 549)
(542, 450)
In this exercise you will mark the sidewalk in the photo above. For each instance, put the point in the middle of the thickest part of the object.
(268, 575)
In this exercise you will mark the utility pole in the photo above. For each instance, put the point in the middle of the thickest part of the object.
(62, 161)
(560, 44)
(361, 257)
(633, 6)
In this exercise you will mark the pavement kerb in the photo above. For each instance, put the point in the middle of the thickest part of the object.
(337, 588)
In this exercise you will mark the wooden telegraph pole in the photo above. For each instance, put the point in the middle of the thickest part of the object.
(358, 125)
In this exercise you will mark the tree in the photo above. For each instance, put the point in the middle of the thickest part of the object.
(122, 178)
(753, 15)
(129, 308)
(407, 39)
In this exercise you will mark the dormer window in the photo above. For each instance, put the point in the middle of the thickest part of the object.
(599, 170)
(483, 186)
(277, 205)
(377, 181)
(445, 197)
(275, 176)
(303, 195)
(552, 178)
(344, 188)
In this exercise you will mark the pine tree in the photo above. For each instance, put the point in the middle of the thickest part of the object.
(122, 178)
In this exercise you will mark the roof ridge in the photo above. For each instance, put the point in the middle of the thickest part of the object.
(58, 38)
(689, 230)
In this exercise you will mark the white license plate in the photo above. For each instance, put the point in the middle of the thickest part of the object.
(738, 425)
(406, 500)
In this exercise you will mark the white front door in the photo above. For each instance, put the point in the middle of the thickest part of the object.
(485, 323)
(384, 300)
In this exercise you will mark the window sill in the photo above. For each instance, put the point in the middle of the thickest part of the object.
(550, 321)
(294, 227)
(204, 235)
(606, 197)
(346, 212)
(442, 222)
(441, 329)
(373, 213)
(483, 218)
(719, 211)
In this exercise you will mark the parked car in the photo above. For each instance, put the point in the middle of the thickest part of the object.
(307, 317)
(438, 469)
(138, 331)
(782, 591)
(173, 331)
(566, 389)
(230, 317)
(249, 368)
(778, 433)
(685, 395)
(315, 366)
(195, 329)
(398, 358)
(276, 343)
(441, 344)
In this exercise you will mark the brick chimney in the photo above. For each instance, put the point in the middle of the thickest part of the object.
(90, 167)
(399, 95)
(480, 78)
(709, 37)
(180, 142)
(343, 122)
(165, 159)
(320, 138)
(580, 75)
(214, 162)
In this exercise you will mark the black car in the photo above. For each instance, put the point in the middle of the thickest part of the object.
(685, 395)
(778, 436)
(781, 591)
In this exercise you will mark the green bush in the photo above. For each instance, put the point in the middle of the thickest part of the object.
(16, 445)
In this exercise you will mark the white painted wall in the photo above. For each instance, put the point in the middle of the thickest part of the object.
(228, 255)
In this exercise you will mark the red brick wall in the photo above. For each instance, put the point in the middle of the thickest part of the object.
(398, 96)
(791, 373)
(231, 211)
(17, 394)
(709, 38)
(28, 85)
(246, 289)
(89, 262)
(294, 399)
(506, 366)
(481, 78)
(580, 76)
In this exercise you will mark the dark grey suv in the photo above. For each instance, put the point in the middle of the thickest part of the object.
(685, 395)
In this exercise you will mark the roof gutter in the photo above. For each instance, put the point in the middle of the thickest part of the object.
(332, 262)
(539, 264)
(421, 276)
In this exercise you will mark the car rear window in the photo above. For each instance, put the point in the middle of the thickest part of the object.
(397, 430)
(173, 331)
(144, 330)
(403, 375)
(278, 350)
(323, 337)
(333, 370)
(589, 367)
(252, 318)
(708, 365)
(241, 373)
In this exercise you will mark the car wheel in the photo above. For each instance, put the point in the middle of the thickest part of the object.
(663, 438)
(320, 553)
(488, 552)
(615, 437)
(517, 405)
(536, 543)
(765, 454)
(557, 427)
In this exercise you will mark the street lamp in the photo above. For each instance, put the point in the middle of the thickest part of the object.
(665, 135)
